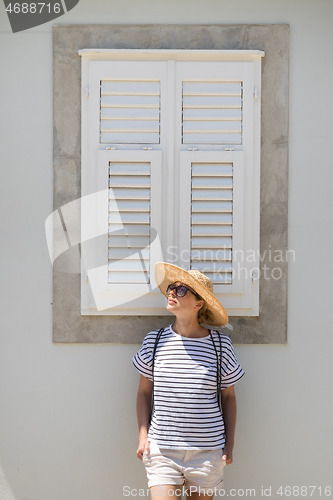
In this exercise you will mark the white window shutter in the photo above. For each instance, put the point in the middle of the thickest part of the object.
(129, 222)
(212, 112)
(130, 111)
(216, 104)
(119, 265)
(216, 229)
(219, 187)
(124, 103)
(212, 219)
(213, 207)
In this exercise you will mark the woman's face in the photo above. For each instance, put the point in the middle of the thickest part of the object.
(185, 306)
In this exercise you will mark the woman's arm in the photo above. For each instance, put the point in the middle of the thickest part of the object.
(143, 406)
(229, 408)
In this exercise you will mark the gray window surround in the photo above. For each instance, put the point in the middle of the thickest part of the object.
(270, 327)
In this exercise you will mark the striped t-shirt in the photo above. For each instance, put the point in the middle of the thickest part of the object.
(186, 412)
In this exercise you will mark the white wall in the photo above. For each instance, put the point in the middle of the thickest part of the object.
(67, 418)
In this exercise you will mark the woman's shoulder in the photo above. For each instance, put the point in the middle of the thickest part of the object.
(152, 335)
(217, 335)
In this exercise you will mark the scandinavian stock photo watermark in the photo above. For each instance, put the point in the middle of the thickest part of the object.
(25, 14)
(250, 264)
(264, 491)
(78, 240)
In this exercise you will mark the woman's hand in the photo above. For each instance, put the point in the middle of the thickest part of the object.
(227, 454)
(142, 448)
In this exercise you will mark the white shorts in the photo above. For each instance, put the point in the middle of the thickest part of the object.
(194, 468)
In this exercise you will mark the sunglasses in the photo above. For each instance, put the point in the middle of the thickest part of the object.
(180, 290)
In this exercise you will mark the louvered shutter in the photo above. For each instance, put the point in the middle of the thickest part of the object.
(125, 102)
(212, 112)
(128, 215)
(212, 220)
(219, 222)
(130, 112)
(213, 205)
(129, 222)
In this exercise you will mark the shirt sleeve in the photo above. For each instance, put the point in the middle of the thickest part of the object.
(231, 369)
(143, 359)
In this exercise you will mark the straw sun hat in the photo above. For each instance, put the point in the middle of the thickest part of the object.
(166, 274)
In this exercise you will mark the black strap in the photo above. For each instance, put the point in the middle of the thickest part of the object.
(157, 339)
(218, 368)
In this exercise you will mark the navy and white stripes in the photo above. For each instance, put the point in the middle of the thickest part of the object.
(186, 411)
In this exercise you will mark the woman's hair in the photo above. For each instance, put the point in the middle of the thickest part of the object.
(204, 315)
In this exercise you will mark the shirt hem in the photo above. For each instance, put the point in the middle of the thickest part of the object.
(184, 447)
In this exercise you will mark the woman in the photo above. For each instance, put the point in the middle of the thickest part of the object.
(185, 369)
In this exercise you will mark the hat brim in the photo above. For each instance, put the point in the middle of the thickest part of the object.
(167, 274)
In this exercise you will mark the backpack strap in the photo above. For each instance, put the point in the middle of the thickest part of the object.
(157, 339)
(218, 368)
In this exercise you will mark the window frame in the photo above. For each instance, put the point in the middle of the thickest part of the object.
(171, 233)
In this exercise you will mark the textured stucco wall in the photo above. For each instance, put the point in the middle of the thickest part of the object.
(271, 325)
(67, 422)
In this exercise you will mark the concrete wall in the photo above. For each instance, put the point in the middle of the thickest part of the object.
(270, 327)
(67, 419)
